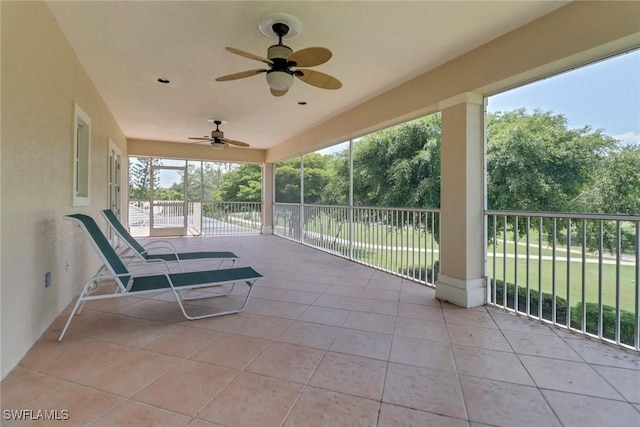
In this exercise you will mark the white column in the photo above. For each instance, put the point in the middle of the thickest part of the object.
(461, 279)
(267, 198)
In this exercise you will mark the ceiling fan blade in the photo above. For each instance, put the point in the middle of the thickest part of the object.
(318, 79)
(238, 143)
(278, 92)
(201, 139)
(249, 55)
(240, 75)
(311, 56)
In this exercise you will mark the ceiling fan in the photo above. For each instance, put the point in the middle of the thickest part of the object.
(282, 60)
(217, 139)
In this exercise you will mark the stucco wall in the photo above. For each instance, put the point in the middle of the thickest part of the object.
(41, 79)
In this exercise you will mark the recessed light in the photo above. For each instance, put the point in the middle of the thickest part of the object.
(302, 102)
(163, 80)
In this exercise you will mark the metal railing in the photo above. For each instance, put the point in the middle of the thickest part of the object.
(206, 218)
(287, 221)
(168, 213)
(231, 218)
(578, 271)
(400, 241)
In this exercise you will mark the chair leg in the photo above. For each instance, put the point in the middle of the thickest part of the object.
(90, 287)
(222, 313)
(79, 303)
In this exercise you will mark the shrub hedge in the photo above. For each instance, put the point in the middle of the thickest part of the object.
(627, 318)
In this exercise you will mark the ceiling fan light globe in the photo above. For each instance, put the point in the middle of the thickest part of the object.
(279, 80)
(217, 145)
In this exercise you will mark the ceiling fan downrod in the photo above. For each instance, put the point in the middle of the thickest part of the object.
(279, 53)
(216, 134)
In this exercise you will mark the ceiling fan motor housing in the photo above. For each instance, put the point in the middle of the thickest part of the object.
(279, 51)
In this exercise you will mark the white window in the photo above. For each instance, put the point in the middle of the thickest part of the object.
(81, 156)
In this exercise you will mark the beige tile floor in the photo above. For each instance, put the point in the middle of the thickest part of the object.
(323, 342)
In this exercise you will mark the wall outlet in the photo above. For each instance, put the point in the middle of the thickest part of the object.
(47, 279)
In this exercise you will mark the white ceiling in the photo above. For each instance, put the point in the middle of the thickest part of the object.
(126, 46)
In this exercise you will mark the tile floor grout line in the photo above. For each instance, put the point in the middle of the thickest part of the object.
(611, 384)
(306, 384)
(455, 366)
(64, 381)
(304, 387)
(535, 384)
(114, 407)
(239, 371)
(577, 344)
(208, 402)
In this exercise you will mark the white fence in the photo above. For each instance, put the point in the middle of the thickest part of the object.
(578, 271)
(203, 218)
(399, 241)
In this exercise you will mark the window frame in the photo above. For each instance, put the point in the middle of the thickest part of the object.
(81, 157)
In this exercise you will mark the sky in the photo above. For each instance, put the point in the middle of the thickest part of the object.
(604, 95)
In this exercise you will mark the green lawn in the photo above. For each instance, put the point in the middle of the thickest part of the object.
(591, 279)
(546, 249)
(378, 240)
(397, 261)
(373, 234)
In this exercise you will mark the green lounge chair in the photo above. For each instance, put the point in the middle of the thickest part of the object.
(141, 252)
(131, 284)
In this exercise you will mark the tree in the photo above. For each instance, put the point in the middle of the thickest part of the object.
(615, 190)
(287, 177)
(318, 173)
(194, 182)
(399, 166)
(168, 194)
(536, 163)
(336, 190)
(203, 183)
(319, 179)
(616, 187)
(139, 177)
(396, 167)
(242, 184)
